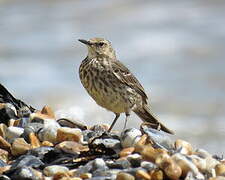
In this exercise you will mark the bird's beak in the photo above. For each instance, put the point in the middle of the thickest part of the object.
(85, 42)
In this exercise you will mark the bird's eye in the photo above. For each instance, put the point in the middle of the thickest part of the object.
(101, 44)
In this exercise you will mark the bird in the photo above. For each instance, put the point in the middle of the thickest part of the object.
(112, 85)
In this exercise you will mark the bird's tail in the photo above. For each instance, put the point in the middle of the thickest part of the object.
(145, 114)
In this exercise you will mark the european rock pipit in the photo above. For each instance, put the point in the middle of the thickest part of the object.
(112, 85)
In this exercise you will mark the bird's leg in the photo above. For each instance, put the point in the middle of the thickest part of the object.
(114, 121)
(127, 117)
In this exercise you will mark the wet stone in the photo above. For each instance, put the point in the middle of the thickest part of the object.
(3, 129)
(23, 122)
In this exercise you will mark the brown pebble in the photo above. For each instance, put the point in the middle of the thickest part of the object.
(4, 169)
(184, 146)
(3, 128)
(19, 147)
(34, 141)
(217, 178)
(11, 122)
(48, 111)
(141, 143)
(173, 171)
(69, 134)
(4, 144)
(47, 143)
(4, 155)
(126, 151)
(143, 175)
(156, 175)
(86, 175)
(220, 169)
(72, 147)
(124, 176)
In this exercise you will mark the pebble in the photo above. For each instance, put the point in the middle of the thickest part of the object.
(13, 132)
(124, 176)
(4, 155)
(72, 147)
(34, 141)
(69, 134)
(48, 111)
(86, 176)
(130, 137)
(4, 144)
(143, 175)
(134, 159)
(3, 128)
(19, 147)
(184, 147)
(127, 151)
(220, 169)
(55, 169)
(119, 164)
(49, 131)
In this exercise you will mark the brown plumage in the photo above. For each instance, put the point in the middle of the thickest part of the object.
(112, 85)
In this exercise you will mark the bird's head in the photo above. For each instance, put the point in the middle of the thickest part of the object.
(99, 47)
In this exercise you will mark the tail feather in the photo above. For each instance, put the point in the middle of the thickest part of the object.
(145, 114)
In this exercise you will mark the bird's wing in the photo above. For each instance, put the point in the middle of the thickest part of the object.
(125, 76)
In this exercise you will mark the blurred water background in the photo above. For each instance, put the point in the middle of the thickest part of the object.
(175, 48)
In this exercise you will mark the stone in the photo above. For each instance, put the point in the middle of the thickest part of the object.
(72, 123)
(124, 176)
(159, 138)
(34, 141)
(186, 165)
(86, 176)
(130, 137)
(69, 134)
(48, 111)
(126, 151)
(13, 132)
(49, 131)
(55, 169)
(4, 144)
(3, 129)
(139, 146)
(4, 155)
(4, 169)
(25, 161)
(143, 175)
(19, 147)
(99, 163)
(40, 152)
(72, 147)
(156, 175)
(134, 159)
(148, 166)
(220, 169)
(26, 173)
(7, 112)
(119, 164)
(47, 143)
(184, 147)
